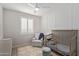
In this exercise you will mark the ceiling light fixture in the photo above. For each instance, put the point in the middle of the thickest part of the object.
(36, 9)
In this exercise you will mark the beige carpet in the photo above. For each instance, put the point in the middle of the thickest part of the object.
(29, 51)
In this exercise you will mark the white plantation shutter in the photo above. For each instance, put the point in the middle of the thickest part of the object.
(30, 25)
(26, 25)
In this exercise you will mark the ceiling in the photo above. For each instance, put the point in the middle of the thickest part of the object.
(24, 7)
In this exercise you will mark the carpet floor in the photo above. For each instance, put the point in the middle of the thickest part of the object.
(29, 51)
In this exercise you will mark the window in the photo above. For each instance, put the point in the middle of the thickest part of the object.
(26, 25)
(30, 25)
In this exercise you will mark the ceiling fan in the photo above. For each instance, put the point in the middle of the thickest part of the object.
(37, 6)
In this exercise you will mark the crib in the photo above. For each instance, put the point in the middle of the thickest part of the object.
(65, 42)
(5, 47)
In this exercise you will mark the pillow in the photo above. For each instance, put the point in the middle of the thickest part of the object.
(37, 36)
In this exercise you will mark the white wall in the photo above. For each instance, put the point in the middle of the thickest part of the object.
(76, 15)
(1, 22)
(12, 27)
(59, 17)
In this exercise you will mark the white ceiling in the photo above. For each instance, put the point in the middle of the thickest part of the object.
(24, 7)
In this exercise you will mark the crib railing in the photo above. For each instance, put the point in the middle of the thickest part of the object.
(66, 37)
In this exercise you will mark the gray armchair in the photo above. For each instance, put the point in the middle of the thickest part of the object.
(37, 41)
